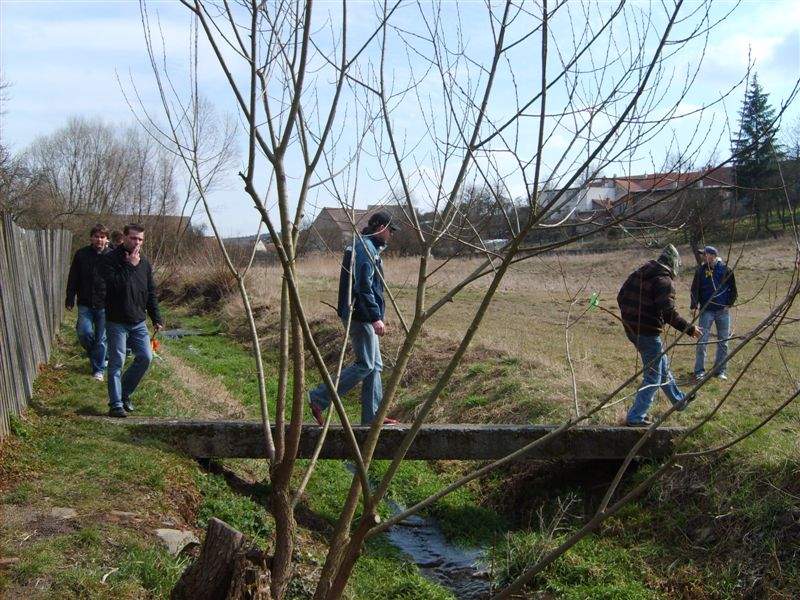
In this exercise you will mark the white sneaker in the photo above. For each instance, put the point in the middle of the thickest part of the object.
(722, 376)
(98, 376)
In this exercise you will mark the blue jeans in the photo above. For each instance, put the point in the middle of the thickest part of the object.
(656, 375)
(91, 330)
(366, 369)
(722, 319)
(121, 336)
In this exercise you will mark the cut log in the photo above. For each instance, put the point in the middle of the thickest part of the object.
(251, 576)
(227, 569)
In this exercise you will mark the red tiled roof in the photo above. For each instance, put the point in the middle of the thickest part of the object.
(722, 177)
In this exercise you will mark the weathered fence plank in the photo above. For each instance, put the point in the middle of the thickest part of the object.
(244, 439)
(33, 276)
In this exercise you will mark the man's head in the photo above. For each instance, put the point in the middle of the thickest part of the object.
(381, 226)
(670, 258)
(134, 236)
(710, 255)
(116, 237)
(99, 237)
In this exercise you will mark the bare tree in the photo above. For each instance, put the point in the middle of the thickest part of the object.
(434, 100)
(92, 167)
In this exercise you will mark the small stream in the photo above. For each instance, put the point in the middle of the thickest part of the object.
(176, 334)
(460, 570)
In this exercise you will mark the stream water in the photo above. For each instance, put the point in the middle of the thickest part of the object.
(455, 568)
(176, 334)
(460, 570)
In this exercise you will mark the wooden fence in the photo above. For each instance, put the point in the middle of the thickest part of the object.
(33, 277)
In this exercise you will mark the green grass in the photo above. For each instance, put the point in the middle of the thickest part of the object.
(596, 568)
(382, 573)
(239, 512)
(57, 457)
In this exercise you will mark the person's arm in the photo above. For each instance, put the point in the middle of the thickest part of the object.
(732, 283)
(152, 302)
(695, 292)
(664, 300)
(362, 288)
(72, 282)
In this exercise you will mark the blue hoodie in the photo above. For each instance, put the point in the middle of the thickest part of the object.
(367, 282)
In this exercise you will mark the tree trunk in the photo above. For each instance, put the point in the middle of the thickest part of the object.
(227, 569)
(281, 509)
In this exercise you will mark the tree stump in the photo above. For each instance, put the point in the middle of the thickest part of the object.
(226, 569)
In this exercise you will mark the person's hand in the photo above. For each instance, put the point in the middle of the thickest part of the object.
(157, 327)
(133, 257)
(697, 333)
(379, 327)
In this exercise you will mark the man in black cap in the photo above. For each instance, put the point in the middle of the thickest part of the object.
(713, 292)
(363, 291)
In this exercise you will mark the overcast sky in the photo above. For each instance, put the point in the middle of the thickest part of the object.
(62, 59)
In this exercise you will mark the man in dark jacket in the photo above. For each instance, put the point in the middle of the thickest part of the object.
(85, 282)
(713, 292)
(647, 303)
(366, 324)
(130, 298)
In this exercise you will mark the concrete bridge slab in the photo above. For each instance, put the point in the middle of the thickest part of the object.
(244, 439)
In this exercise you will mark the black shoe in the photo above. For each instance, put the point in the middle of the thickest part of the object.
(643, 423)
(128, 406)
(117, 412)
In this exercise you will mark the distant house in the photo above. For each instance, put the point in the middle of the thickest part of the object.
(630, 195)
(634, 193)
(333, 228)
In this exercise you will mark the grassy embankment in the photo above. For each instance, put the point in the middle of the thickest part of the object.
(725, 526)
(685, 539)
(122, 490)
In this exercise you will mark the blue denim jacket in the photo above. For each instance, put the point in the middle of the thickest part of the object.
(366, 281)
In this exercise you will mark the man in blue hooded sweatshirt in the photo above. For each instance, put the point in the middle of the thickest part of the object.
(713, 292)
(367, 321)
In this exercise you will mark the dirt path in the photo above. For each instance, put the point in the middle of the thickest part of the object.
(201, 395)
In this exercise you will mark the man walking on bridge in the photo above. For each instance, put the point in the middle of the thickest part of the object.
(130, 297)
(85, 282)
(647, 303)
(367, 321)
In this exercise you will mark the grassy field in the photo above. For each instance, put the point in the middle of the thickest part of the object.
(726, 526)
(684, 540)
(522, 339)
(122, 490)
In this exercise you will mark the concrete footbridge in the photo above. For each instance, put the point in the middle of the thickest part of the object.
(245, 439)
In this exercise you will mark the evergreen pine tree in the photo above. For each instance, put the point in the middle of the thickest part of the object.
(756, 151)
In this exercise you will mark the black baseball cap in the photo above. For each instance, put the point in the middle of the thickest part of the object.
(381, 219)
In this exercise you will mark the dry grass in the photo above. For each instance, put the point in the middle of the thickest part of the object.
(526, 322)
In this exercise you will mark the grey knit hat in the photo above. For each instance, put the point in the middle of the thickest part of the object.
(670, 258)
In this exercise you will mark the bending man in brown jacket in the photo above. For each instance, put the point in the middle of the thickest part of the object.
(647, 303)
